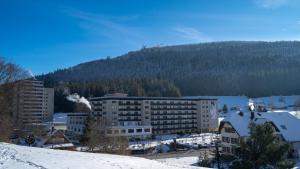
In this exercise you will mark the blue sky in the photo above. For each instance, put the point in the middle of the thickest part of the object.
(43, 36)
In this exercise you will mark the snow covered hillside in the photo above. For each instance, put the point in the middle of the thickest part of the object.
(230, 101)
(242, 101)
(21, 157)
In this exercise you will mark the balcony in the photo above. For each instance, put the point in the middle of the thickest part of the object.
(167, 119)
(172, 124)
(121, 120)
(130, 115)
(175, 128)
(173, 104)
(170, 114)
(171, 108)
(130, 109)
(129, 104)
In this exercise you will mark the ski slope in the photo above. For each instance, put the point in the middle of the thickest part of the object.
(21, 157)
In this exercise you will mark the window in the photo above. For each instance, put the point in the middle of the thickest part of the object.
(229, 130)
(226, 139)
(226, 149)
(139, 130)
(147, 130)
(234, 140)
(130, 130)
(109, 131)
(283, 127)
(123, 131)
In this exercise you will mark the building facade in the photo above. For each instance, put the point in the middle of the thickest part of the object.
(76, 124)
(230, 138)
(32, 102)
(155, 115)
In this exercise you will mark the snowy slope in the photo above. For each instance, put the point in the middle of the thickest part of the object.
(289, 100)
(21, 157)
(191, 161)
(230, 101)
(242, 101)
(183, 161)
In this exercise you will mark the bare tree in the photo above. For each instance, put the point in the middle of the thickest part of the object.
(97, 139)
(9, 73)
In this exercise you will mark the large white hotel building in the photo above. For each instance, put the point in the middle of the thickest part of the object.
(144, 116)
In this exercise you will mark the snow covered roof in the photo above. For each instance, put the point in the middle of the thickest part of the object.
(60, 118)
(239, 122)
(287, 124)
(295, 113)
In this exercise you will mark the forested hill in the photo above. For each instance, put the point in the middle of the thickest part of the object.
(220, 68)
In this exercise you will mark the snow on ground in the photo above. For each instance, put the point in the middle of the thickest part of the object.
(60, 118)
(183, 162)
(230, 101)
(21, 157)
(242, 101)
(186, 162)
(295, 113)
(297, 165)
(288, 100)
(203, 139)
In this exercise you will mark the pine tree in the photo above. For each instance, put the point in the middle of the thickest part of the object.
(262, 150)
(204, 160)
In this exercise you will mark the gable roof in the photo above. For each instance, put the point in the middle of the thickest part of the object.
(239, 123)
(287, 124)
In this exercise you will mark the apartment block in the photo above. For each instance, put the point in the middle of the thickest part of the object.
(76, 124)
(155, 115)
(32, 102)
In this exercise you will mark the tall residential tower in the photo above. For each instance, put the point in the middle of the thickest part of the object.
(32, 102)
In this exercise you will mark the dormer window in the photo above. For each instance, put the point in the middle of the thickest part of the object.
(283, 127)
